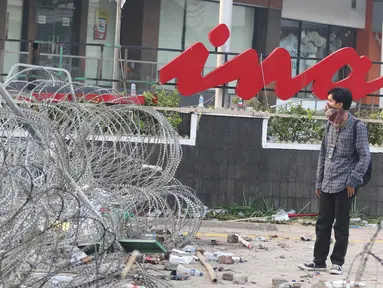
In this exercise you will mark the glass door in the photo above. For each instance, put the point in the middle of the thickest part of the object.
(54, 30)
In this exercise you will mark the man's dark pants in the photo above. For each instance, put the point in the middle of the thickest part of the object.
(332, 206)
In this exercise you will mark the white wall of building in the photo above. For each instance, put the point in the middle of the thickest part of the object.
(12, 54)
(94, 53)
(201, 17)
(333, 12)
(170, 32)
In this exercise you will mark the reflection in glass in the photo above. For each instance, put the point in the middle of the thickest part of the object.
(313, 44)
(341, 37)
(54, 25)
(289, 41)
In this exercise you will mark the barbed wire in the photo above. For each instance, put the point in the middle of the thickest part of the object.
(75, 175)
(363, 257)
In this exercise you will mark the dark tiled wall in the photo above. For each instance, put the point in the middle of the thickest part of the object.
(228, 162)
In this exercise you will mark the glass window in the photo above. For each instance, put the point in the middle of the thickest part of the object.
(202, 16)
(313, 44)
(341, 37)
(54, 24)
(289, 40)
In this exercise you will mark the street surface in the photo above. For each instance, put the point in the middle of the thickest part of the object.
(279, 257)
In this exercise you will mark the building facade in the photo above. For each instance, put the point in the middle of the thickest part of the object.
(79, 34)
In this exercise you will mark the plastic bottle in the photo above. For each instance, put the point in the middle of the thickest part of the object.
(133, 89)
(281, 216)
(189, 249)
(77, 257)
(186, 271)
(240, 103)
(201, 101)
(129, 285)
(214, 256)
(210, 256)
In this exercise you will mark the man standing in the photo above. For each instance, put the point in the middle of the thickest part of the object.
(343, 161)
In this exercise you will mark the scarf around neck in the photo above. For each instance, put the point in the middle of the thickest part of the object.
(335, 116)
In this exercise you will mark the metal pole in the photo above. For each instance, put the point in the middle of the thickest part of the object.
(225, 16)
(117, 45)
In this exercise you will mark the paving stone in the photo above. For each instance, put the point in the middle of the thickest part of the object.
(232, 238)
(228, 276)
(225, 260)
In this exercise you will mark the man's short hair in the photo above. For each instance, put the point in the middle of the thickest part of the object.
(342, 95)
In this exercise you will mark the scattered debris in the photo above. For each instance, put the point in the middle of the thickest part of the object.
(170, 266)
(263, 247)
(188, 271)
(246, 238)
(343, 284)
(189, 249)
(320, 284)
(225, 259)
(181, 257)
(263, 239)
(356, 220)
(285, 285)
(232, 238)
(152, 261)
(208, 267)
(282, 245)
(214, 257)
(129, 264)
(244, 242)
(252, 219)
(214, 242)
(276, 283)
(281, 216)
(178, 277)
(228, 276)
(310, 275)
(355, 226)
(307, 222)
(306, 238)
(240, 279)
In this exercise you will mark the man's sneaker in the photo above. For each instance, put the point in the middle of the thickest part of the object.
(312, 267)
(336, 270)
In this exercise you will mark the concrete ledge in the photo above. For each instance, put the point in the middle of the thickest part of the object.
(239, 225)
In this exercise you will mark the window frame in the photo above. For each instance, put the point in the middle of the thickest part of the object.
(327, 49)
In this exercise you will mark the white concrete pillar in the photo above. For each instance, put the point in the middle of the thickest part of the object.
(225, 16)
(117, 49)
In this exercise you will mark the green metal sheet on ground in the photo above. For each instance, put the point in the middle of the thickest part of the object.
(144, 246)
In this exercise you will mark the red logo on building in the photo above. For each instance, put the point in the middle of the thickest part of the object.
(252, 76)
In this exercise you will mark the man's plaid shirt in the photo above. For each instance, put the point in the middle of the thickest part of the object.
(350, 160)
